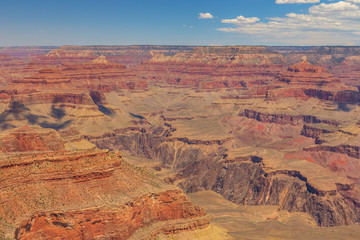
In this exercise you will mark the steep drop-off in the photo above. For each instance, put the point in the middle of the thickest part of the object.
(88, 194)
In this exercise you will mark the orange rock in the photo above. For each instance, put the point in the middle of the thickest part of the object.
(27, 139)
(88, 194)
(170, 208)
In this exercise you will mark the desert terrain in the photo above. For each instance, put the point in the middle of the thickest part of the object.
(179, 142)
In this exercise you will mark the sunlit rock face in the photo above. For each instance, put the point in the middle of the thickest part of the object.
(109, 142)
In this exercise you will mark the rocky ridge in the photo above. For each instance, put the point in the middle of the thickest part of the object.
(98, 180)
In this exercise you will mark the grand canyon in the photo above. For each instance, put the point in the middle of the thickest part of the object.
(179, 142)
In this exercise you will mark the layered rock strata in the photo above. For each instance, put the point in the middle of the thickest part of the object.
(88, 194)
(243, 180)
(304, 80)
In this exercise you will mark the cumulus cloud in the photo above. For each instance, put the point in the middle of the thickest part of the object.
(205, 16)
(325, 23)
(241, 20)
(339, 10)
(296, 1)
(324, 8)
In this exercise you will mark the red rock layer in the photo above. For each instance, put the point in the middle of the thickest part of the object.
(52, 97)
(241, 55)
(304, 80)
(5, 94)
(129, 55)
(305, 75)
(26, 52)
(208, 75)
(26, 139)
(46, 76)
(98, 74)
(285, 119)
(66, 194)
(215, 67)
(120, 222)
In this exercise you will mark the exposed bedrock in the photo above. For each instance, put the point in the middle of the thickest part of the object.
(338, 96)
(351, 151)
(52, 97)
(165, 212)
(89, 195)
(284, 119)
(347, 96)
(26, 139)
(242, 180)
(313, 132)
(246, 182)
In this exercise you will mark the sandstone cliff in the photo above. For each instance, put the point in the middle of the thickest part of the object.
(112, 198)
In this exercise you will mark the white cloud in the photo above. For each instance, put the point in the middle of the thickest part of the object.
(296, 1)
(324, 8)
(339, 10)
(354, 1)
(241, 20)
(332, 23)
(205, 16)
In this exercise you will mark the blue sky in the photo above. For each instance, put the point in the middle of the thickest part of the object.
(173, 22)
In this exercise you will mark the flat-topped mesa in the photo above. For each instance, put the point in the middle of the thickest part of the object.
(243, 55)
(214, 67)
(129, 55)
(26, 52)
(351, 51)
(234, 50)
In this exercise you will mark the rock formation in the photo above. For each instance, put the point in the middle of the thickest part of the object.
(215, 67)
(260, 127)
(38, 200)
(304, 80)
(97, 74)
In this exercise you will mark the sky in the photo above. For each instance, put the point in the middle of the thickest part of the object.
(174, 22)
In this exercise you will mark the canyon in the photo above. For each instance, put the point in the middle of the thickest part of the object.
(179, 142)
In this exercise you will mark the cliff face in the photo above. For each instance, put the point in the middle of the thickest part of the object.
(313, 132)
(239, 121)
(26, 52)
(52, 97)
(89, 194)
(242, 55)
(306, 75)
(304, 80)
(129, 55)
(349, 96)
(247, 182)
(164, 212)
(351, 151)
(284, 119)
(26, 139)
(97, 74)
(343, 62)
(215, 67)
(46, 76)
(242, 180)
